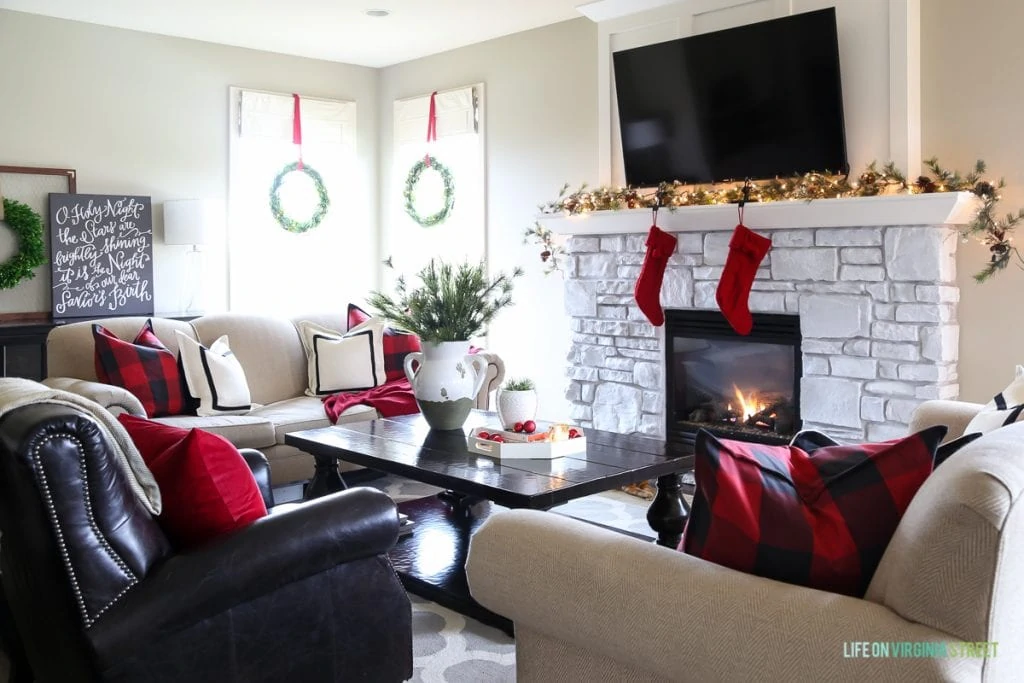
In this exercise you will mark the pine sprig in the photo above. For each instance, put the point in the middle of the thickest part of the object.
(452, 303)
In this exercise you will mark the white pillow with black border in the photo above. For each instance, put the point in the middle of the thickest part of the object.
(1004, 409)
(349, 361)
(214, 376)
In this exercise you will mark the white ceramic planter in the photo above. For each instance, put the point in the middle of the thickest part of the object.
(446, 382)
(516, 406)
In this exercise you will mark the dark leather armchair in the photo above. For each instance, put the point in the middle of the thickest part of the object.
(98, 594)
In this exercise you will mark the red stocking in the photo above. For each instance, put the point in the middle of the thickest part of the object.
(660, 246)
(746, 250)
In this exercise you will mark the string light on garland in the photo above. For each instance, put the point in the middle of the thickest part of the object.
(448, 192)
(993, 232)
(323, 203)
(27, 226)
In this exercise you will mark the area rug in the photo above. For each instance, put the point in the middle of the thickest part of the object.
(451, 648)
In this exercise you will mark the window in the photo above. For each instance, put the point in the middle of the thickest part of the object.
(275, 271)
(459, 147)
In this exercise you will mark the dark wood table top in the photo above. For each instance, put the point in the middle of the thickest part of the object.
(407, 447)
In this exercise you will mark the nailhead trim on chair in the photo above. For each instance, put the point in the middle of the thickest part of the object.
(55, 522)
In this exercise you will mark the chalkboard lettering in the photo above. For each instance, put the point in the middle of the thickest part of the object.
(101, 255)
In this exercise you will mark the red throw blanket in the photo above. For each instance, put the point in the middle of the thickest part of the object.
(390, 399)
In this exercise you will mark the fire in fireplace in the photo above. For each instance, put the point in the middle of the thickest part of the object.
(738, 387)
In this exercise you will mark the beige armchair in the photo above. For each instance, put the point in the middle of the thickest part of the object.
(593, 605)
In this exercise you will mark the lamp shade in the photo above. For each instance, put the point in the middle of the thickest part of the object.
(185, 221)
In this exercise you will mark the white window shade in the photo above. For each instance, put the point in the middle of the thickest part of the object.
(269, 115)
(456, 115)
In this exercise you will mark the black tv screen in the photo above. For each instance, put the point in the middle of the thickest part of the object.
(755, 101)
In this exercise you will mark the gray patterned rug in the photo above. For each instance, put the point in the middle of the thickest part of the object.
(451, 648)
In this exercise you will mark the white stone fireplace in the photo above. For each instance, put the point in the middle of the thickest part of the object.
(872, 279)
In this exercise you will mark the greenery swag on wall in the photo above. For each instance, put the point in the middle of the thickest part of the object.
(986, 227)
(290, 224)
(27, 226)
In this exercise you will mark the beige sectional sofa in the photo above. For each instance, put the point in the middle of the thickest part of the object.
(270, 352)
(590, 604)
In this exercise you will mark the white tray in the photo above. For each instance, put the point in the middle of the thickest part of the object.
(522, 450)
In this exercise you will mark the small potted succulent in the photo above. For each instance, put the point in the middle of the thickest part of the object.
(517, 402)
(453, 304)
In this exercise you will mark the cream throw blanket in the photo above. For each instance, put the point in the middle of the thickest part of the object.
(15, 393)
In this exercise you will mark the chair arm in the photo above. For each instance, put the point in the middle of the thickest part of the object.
(495, 376)
(668, 614)
(954, 414)
(260, 469)
(274, 551)
(113, 398)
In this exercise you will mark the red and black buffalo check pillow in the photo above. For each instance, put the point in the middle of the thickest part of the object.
(397, 344)
(144, 367)
(820, 520)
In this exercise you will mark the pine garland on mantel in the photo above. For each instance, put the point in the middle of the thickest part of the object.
(986, 227)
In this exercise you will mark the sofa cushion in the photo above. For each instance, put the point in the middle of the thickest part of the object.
(304, 412)
(244, 431)
(144, 367)
(340, 361)
(70, 347)
(215, 377)
(207, 488)
(268, 349)
(821, 521)
(397, 343)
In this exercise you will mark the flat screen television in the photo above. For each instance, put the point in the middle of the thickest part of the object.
(755, 101)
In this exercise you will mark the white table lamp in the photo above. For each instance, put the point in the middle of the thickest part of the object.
(186, 223)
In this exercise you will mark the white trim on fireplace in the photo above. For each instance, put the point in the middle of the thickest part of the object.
(944, 208)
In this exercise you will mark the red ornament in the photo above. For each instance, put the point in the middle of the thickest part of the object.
(529, 426)
(518, 427)
(483, 435)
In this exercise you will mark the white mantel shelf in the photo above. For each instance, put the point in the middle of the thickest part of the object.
(942, 208)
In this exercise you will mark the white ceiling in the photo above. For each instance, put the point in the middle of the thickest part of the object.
(335, 30)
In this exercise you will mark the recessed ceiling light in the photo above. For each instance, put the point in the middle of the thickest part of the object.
(377, 12)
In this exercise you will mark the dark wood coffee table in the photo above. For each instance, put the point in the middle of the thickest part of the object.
(431, 560)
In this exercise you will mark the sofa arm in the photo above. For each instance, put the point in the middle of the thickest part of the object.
(274, 551)
(665, 615)
(115, 399)
(954, 414)
(260, 468)
(495, 376)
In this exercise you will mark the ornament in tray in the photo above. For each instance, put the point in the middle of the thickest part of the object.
(535, 440)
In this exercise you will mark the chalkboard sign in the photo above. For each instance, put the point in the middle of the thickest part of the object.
(101, 255)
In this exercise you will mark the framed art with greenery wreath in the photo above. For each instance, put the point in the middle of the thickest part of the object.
(448, 192)
(24, 191)
(323, 200)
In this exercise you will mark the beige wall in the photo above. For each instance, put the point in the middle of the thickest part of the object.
(972, 106)
(138, 113)
(541, 122)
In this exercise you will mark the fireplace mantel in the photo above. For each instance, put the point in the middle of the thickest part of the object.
(943, 208)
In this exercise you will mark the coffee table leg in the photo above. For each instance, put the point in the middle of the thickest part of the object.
(668, 512)
(326, 479)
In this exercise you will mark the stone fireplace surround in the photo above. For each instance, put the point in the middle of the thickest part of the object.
(877, 306)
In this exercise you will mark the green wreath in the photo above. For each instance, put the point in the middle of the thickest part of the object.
(290, 224)
(28, 227)
(410, 195)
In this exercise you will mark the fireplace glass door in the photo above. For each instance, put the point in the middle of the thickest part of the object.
(738, 387)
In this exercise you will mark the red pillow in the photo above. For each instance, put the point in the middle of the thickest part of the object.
(144, 367)
(397, 344)
(207, 488)
(821, 521)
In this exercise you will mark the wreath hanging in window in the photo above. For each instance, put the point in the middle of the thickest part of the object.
(410, 192)
(27, 225)
(285, 221)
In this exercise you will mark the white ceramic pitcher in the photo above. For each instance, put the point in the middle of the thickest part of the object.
(446, 382)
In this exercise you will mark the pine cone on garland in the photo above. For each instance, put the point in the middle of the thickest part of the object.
(545, 255)
(984, 189)
(925, 184)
